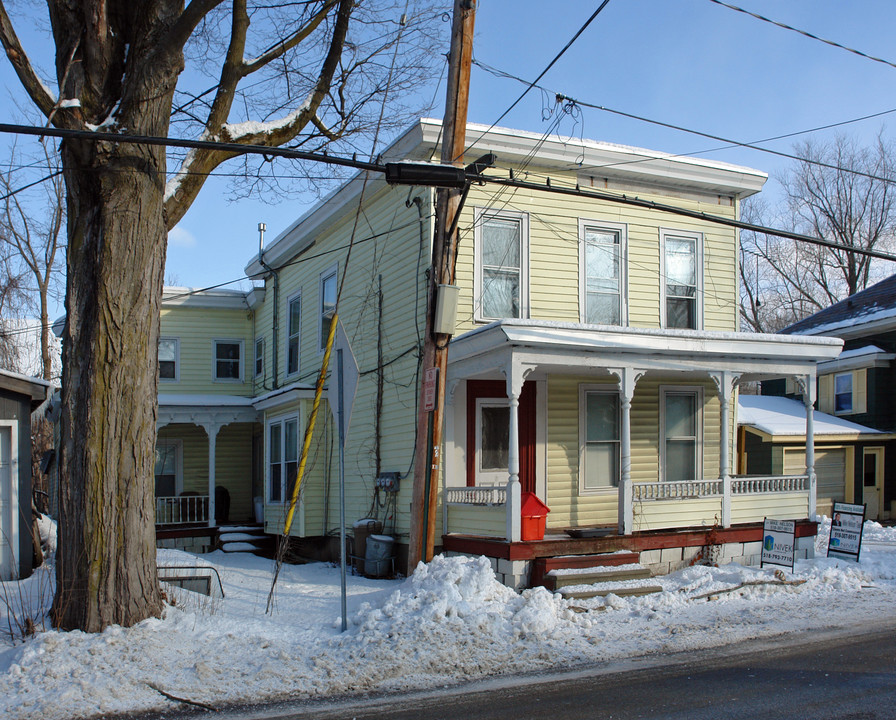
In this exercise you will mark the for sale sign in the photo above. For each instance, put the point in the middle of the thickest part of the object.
(778, 542)
(846, 531)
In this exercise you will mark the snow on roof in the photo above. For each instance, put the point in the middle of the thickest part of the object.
(858, 352)
(778, 416)
(874, 304)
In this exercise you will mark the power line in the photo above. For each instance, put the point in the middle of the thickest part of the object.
(802, 32)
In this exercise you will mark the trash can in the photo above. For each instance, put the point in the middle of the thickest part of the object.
(534, 517)
(378, 560)
(362, 529)
(259, 509)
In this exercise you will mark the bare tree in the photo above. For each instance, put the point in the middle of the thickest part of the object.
(34, 234)
(839, 192)
(12, 299)
(311, 74)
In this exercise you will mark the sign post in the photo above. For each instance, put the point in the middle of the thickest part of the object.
(778, 542)
(845, 540)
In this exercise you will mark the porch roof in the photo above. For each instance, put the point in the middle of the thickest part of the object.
(204, 409)
(573, 347)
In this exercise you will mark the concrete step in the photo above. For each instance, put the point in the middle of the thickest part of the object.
(245, 538)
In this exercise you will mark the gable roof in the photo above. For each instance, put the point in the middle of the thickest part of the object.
(868, 309)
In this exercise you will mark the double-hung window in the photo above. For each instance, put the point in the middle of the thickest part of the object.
(283, 459)
(169, 356)
(843, 393)
(681, 432)
(228, 360)
(327, 304)
(599, 424)
(168, 473)
(501, 265)
(259, 357)
(682, 272)
(602, 273)
(293, 334)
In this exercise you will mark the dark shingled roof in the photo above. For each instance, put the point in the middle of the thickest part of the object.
(873, 300)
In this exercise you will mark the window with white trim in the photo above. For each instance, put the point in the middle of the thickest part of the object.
(602, 273)
(228, 360)
(327, 305)
(168, 468)
(681, 434)
(501, 290)
(169, 359)
(293, 334)
(259, 357)
(283, 458)
(681, 279)
(843, 393)
(599, 428)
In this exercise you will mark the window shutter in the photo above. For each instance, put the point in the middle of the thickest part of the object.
(860, 391)
(826, 394)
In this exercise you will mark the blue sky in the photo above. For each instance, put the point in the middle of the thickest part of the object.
(691, 63)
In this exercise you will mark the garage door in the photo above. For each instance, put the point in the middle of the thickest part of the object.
(8, 533)
(830, 471)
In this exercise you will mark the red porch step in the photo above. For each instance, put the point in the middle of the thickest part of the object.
(543, 565)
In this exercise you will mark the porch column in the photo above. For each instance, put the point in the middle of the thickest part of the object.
(808, 386)
(725, 382)
(516, 376)
(211, 429)
(627, 381)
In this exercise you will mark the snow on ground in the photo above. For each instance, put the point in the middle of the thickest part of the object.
(450, 622)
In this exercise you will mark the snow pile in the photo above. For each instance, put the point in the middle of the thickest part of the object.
(448, 623)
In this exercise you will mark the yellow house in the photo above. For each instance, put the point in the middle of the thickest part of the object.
(594, 363)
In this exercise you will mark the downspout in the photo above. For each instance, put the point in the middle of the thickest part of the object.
(275, 349)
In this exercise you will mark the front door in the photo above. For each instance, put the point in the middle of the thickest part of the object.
(873, 481)
(488, 423)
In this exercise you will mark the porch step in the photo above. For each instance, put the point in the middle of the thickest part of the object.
(544, 565)
(630, 589)
(587, 576)
(245, 538)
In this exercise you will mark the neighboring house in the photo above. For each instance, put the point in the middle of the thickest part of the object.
(849, 458)
(858, 385)
(606, 333)
(20, 395)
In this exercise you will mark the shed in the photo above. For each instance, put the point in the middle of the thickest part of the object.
(20, 395)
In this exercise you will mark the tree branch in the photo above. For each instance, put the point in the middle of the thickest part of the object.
(290, 42)
(37, 91)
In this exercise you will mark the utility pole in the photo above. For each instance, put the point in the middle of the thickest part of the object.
(430, 418)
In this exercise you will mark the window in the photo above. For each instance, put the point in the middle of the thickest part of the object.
(843, 393)
(294, 335)
(501, 255)
(492, 441)
(259, 357)
(327, 304)
(599, 427)
(168, 468)
(681, 434)
(602, 273)
(283, 459)
(681, 273)
(229, 360)
(169, 353)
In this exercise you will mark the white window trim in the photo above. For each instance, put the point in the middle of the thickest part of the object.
(852, 393)
(229, 341)
(622, 229)
(673, 390)
(491, 478)
(332, 271)
(481, 214)
(698, 309)
(584, 391)
(178, 445)
(176, 377)
(255, 373)
(280, 420)
(289, 300)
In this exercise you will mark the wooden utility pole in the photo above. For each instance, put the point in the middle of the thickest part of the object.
(428, 452)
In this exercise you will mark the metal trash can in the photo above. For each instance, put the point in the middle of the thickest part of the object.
(378, 559)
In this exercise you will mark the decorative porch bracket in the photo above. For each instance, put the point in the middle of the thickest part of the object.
(628, 379)
(725, 381)
(806, 384)
(516, 375)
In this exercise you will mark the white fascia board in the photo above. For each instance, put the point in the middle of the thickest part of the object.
(855, 327)
(203, 400)
(283, 396)
(190, 297)
(856, 362)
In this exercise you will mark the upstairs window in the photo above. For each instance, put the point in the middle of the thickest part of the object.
(259, 357)
(602, 273)
(502, 258)
(327, 305)
(229, 360)
(294, 335)
(843, 393)
(169, 356)
(681, 279)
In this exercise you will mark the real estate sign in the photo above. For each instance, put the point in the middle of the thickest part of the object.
(778, 542)
(846, 531)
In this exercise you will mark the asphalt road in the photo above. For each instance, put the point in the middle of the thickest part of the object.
(835, 676)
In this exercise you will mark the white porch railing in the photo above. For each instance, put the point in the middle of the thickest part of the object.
(676, 490)
(182, 509)
(491, 495)
(769, 484)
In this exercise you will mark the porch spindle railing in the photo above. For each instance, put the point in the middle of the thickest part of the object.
(676, 490)
(181, 510)
(745, 485)
(491, 495)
